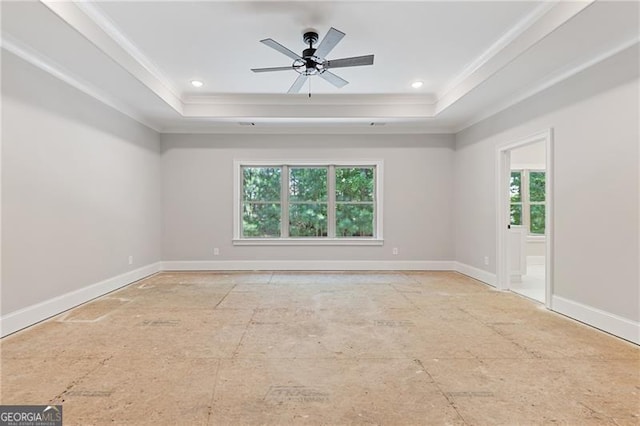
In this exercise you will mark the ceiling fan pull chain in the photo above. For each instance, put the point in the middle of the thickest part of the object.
(309, 87)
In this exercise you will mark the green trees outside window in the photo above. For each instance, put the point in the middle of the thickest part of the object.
(261, 201)
(354, 201)
(319, 201)
(527, 200)
(308, 202)
(515, 192)
(536, 202)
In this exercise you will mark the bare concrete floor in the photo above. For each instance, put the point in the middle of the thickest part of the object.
(423, 348)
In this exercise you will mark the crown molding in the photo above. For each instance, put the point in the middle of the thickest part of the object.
(232, 129)
(224, 127)
(498, 46)
(221, 112)
(96, 27)
(110, 28)
(90, 22)
(556, 78)
(49, 66)
(85, 25)
(301, 106)
(275, 110)
(523, 38)
(303, 99)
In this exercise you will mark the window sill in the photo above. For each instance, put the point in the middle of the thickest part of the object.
(308, 242)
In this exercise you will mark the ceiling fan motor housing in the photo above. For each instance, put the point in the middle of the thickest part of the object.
(310, 61)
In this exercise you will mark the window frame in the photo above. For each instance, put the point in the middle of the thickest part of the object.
(331, 239)
(518, 203)
(526, 203)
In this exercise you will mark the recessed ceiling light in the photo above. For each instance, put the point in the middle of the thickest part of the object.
(417, 84)
(197, 83)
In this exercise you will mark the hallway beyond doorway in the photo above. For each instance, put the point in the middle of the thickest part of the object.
(532, 284)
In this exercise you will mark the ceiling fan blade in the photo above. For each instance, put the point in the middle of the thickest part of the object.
(334, 79)
(329, 42)
(280, 48)
(272, 69)
(297, 85)
(356, 61)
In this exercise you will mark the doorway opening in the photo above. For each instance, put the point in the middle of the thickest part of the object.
(524, 220)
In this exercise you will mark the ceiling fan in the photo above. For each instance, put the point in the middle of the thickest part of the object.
(313, 60)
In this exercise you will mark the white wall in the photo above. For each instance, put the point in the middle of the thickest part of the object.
(80, 190)
(197, 173)
(532, 156)
(594, 117)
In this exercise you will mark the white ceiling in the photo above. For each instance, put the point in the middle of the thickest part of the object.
(218, 42)
(475, 58)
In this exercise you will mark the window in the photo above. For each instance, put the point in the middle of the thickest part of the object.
(527, 200)
(515, 191)
(354, 201)
(308, 203)
(536, 202)
(261, 201)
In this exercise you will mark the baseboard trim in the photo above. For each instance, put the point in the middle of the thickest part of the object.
(594, 317)
(17, 320)
(33, 314)
(473, 272)
(307, 265)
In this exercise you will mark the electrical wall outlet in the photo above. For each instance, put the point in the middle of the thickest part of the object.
(130, 260)
(394, 251)
(486, 260)
(216, 251)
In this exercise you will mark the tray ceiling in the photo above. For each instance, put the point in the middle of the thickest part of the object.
(140, 58)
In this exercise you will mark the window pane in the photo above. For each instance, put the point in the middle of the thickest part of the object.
(354, 220)
(308, 184)
(354, 183)
(537, 219)
(261, 220)
(515, 187)
(516, 214)
(261, 184)
(536, 186)
(308, 220)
